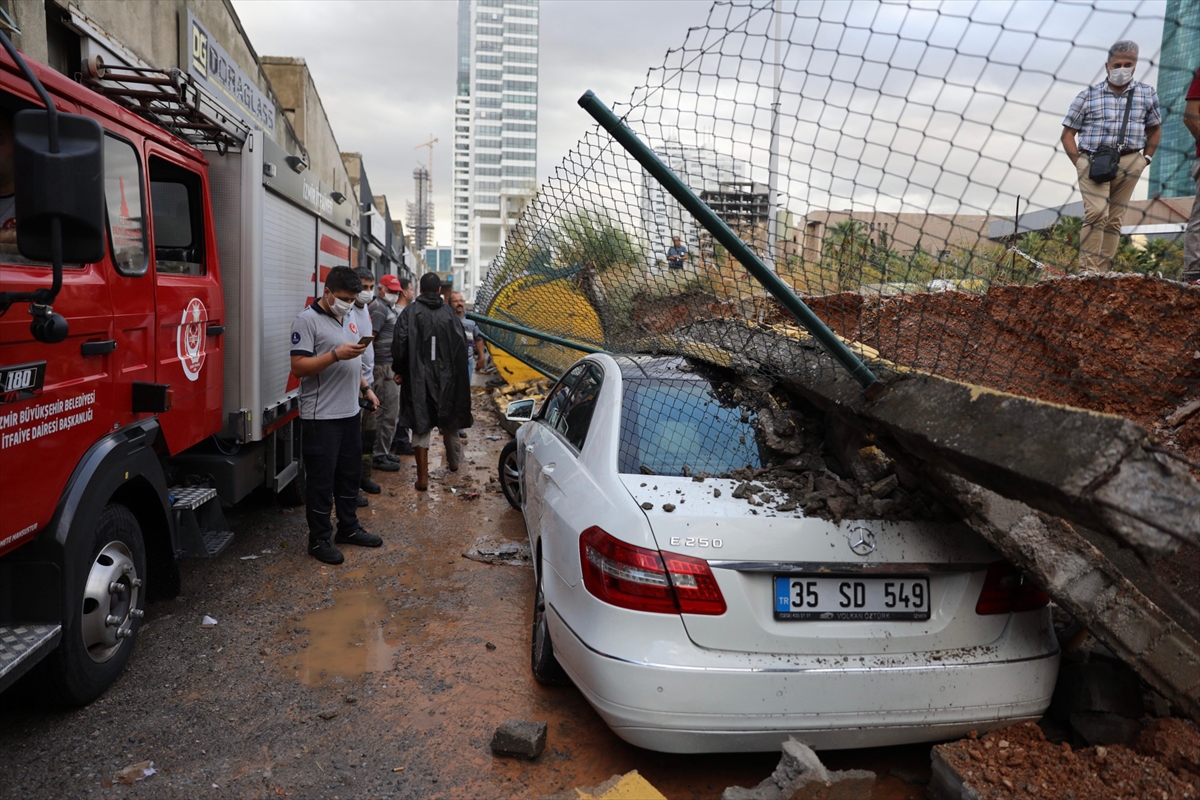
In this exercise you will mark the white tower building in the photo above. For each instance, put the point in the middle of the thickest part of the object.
(495, 129)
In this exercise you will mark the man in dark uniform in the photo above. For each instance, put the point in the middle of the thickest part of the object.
(429, 358)
(326, 357)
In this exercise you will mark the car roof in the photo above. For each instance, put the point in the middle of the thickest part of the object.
(645, 367)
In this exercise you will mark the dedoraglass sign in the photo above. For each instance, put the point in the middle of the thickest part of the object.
(211, 66)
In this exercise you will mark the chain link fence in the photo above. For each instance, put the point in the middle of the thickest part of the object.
(899, 166)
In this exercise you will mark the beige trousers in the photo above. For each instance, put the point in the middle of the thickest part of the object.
(1104, 206)
(1191, 237)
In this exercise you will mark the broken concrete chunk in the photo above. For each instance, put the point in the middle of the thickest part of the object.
(669, 507)
(520, 738)
(801, 776)
(716, 492)
(742, 491)
(883, 488)
(648, 506)
(492, 549)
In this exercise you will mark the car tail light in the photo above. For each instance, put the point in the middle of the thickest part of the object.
(1006, 590)
(646, 580)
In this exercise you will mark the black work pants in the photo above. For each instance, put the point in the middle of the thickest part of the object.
(332, 450)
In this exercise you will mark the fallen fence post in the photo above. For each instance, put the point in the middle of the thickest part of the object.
(730, 240)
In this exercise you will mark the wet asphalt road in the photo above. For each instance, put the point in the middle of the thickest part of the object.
(374, 678)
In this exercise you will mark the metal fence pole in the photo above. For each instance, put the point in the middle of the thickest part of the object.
(545, 337)
(723, 234)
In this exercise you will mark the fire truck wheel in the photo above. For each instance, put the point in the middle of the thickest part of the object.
(108, 598)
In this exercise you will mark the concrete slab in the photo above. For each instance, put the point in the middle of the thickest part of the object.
(1085, 583)
(1093, 469)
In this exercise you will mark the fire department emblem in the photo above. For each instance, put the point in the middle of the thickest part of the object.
(189, 342)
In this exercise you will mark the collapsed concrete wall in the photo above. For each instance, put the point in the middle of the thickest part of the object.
(1017, 469)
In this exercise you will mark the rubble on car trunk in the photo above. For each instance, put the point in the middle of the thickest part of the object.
(815, 466)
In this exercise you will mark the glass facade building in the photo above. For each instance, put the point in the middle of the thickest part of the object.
(1170, 171)
(495, 129)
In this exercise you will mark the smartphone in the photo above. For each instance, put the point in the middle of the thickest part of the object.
(366, 340)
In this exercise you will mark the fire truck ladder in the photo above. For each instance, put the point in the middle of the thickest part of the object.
(169, 98)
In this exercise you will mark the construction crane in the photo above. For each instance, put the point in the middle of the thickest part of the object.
(420, 212)
(432, 141)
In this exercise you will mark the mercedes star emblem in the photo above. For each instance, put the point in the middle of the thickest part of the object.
(861, 541)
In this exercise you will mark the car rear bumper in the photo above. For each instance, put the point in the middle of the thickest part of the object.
(828, 703)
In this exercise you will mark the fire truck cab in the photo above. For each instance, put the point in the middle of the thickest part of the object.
(119, 443)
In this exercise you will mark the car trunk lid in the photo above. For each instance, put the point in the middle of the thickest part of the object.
(748, 546)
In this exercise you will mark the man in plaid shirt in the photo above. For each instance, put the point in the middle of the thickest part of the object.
(1094, 121)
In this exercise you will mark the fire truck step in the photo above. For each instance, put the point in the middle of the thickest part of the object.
(21, 646)
(200, 527)
(215, 542)
(191, 497)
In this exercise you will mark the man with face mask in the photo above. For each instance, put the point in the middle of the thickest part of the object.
(401, 445)
(360, 320)
(1094, 121)
(383, 322)
(327, 358)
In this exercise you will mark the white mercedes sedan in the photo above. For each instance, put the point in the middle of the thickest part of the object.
(699, 608)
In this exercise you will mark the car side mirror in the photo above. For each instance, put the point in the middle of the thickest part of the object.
(520, 410)
(67, 186)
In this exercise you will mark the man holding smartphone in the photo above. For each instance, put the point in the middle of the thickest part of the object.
(327, 358)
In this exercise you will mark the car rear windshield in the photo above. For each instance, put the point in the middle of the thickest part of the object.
(680, 427)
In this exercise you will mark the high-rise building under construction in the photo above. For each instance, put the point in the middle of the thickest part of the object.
(420, 211)
(495, 129)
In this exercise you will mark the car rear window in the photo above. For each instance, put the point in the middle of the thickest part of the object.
(670, 425)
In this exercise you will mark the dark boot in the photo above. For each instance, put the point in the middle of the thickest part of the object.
(422, 457)
(453, 449)
(402, 443)
(364, 482)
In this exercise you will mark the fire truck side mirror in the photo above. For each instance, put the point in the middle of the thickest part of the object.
(67, 185)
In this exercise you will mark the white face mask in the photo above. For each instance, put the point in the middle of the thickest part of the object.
(1120, 77)
(364, 297)
(339, 307)
(391, 297)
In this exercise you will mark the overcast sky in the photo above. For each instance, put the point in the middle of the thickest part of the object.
(964, 100)
(386, 72)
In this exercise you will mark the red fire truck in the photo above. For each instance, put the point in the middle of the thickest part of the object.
(152, 383)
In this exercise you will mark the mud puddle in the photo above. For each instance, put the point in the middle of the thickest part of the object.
(344, 641)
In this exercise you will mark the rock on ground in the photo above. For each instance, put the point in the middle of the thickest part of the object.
(801, 776)
(520, 738)
(492, 549)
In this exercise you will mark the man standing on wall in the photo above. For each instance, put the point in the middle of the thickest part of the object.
(429, 359)
(327, 358)
(1095, 122)
(676, 254)
(1191, 239)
